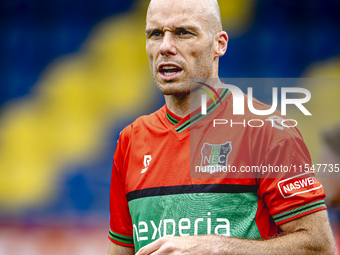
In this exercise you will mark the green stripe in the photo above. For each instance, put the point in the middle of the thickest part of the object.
(184, 126)
(116, 234)
(194, 119)
(172, 119)
(121, 238)
(175, 120)
(298, 211)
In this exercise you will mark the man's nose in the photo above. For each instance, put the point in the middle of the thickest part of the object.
(168, 45)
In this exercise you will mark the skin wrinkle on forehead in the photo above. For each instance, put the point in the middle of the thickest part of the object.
(206, 10)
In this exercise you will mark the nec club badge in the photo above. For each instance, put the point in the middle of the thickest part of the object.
(215, 155)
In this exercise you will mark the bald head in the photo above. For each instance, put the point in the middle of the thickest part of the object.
(206, 10)
(184, 40)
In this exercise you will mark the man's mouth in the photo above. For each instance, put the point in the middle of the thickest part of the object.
(169, 71)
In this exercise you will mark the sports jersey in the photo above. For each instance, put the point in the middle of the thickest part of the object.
(156, 189)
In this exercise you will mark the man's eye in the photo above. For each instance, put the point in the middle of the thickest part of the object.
(183, 32)
(156, 34)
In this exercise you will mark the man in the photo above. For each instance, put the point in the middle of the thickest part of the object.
(156, 207)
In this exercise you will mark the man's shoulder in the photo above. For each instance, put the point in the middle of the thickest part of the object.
(273, 127)
(145, 122)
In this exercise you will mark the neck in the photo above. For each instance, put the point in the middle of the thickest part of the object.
(179, 105)
(182, 105)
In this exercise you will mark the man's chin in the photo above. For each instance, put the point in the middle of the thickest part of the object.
(174, 88)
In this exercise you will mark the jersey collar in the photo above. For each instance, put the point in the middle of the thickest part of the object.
(182, 124)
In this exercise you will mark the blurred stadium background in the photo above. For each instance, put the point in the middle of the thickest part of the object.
(74, 73)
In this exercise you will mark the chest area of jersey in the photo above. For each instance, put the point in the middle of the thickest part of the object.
(228, 214)
(168, 161)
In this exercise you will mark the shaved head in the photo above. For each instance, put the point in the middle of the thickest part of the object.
(184, 40)
(207, 10)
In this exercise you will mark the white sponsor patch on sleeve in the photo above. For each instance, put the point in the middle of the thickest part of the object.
(298, 184)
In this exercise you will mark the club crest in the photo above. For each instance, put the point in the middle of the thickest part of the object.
(215, 155)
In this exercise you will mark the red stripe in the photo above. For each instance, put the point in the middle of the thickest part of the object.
(300, 215)
(172, 114)
(120, 243)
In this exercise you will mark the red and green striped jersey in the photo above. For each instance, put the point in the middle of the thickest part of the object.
(156, 191)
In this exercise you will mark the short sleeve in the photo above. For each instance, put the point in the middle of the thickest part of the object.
(291, 191)
(120, 219)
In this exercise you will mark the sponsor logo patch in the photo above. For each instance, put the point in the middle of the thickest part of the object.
(298, 184)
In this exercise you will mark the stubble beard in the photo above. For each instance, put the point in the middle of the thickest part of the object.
(182, 86)
(173, 87)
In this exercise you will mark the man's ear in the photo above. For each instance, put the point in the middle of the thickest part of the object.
(222, 43)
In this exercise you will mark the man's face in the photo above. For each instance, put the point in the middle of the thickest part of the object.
(178, 44)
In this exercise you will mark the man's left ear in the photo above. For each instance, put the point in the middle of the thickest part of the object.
(222, 43)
